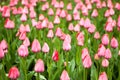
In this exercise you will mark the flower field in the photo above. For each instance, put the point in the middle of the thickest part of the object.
(59, 40)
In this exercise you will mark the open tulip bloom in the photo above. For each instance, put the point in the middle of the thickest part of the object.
(59, 39)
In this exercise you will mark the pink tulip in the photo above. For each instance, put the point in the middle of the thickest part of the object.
(14, 11)
(39, 25)
(25, 10)
(35, 46)
(50, 34)
(108, 54)
(109, 4)
(69, 6)
(117, 6)
(86, 60)
(26, 42)
(63, 36)
(70, 27)
(80, 39)
(50, 25)
(68, 17)
(101, 50)
(39, 66)
(9, 24)
(87, 23)
(112, 12)
(41, 17)
(22, 35)
(63, 14)
(118, 23)
(77, 28)
(23, 17)
(4, 46)
(103, 4)
(64, 75)
(34, 22)
(114, 43)
(56, 5)
(66, 45)
(45, 48)
(84, 11)
(107, 13)
(44, 23)
(50, 12)
(5, 11)
(13, 73)
(105, 63)
(56, 20)
(105, 39)
(97, 35)
(2, 54)
(109, 27)
(23, 51)
(89, 6)
(20, 10)
(91, 28)
(76, 16)
(94, 13)
(103, 76)
(55, 56)
(58, 11)
(13, 2)
(61, 4)
(32, 14)
(67, 38)
(58, 32)
(81, 22)
(96, 57)
(24, 2)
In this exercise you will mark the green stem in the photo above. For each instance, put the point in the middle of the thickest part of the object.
(38, 76)
(24, 66)
(67, 60)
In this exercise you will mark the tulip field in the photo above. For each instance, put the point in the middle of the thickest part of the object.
(59, 39)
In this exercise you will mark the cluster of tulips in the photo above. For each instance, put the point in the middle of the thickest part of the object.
(63, 39)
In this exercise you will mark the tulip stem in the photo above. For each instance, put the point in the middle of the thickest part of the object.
(85, 74)
(67, 60)
(38, 76)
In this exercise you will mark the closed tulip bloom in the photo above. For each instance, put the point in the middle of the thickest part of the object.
(103, 4)
(5, 11)
(23, 51)
(114, 43)
(109, 27)
(32, 14)
(108, 54)
(103, 76)
(50, 12)
(105, 39)
(63, 36)
(50, 25)
(55, 56)
(81, 22)
(13, 73)
(2, 54)
(23, 17)
(45, 48)
(91, 28)
(80, 39)
(58, 32)
(70, 27)
(66, 46)
(58, 11)
(9, 24)
(101, 50)
(44, 23)
(61, 4)
(64, 75)
(4, 46)
(25, 10)
(68, 17)
(39, 66)
(63, 14)
(76, 16)
(87, 23)
(26, 42)
(77, 28)
(35, 46)
(56, 20)
(14, 11)
(24, 2)
(94, 13)
(13, 2)
(118, 22)
(86, 60)
(41, 17)
(87, 63)
(97, 35)
(105, 63)
(69, 6)
(50, 34)
(117, 6)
